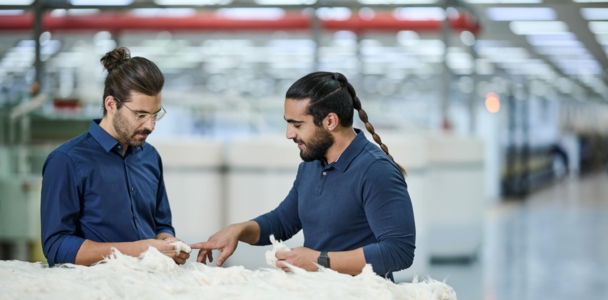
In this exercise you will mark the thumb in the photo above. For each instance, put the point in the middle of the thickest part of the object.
(226, 252)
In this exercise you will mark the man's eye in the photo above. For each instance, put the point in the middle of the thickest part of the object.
(296, 126)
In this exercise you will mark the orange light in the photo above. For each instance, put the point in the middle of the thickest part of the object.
(492, 102)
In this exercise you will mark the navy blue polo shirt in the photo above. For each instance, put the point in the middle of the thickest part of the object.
(89, 191)
(361, 200)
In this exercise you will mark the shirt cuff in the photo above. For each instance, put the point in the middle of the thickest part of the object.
(166, 230)
(67, 250)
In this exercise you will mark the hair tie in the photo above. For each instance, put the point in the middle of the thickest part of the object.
(336, 77)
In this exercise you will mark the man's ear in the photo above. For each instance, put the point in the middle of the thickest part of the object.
(109, 104)
(331, 121)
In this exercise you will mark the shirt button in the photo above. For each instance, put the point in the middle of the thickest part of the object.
(324, 173)
(132, 189)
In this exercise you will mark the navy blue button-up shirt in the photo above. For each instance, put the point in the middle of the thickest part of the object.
(361, 200)
(90, 191)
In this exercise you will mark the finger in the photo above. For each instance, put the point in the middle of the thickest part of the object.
(179, 260)
(226, 252)
(203, 245)
(210, 255)
(286, 269)
(281, 254)
(183, 255)
(201, 256)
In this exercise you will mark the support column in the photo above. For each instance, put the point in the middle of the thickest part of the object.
(37, 31)
(446, 75)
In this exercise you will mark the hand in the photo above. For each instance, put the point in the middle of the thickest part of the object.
(179, 258)
(166, 248)
(301, 257)
(225, 240)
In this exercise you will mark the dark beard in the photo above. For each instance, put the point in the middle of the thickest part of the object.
(121, 126)
(317, 147)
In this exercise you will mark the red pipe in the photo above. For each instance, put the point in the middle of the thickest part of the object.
(119, 21)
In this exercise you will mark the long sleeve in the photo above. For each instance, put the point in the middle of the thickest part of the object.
(388, 209)
(283, 222)
(60, 209)
(162, 217)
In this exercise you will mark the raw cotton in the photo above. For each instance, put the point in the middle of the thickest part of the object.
(156, 276)
(271, 258)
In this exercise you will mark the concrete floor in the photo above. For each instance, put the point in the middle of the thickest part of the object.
(552, 245)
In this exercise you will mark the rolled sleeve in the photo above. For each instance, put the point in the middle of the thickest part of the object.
(59, 209)
(388, 208)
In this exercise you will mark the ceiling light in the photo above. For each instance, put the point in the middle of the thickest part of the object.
(285, 2)
(11, 12)
(534, 40)
(420, 13)
(599, 27)
(16, 2)
(602, 39)
(333, 13)
(192, 2)
(521, 13)
(101, 3)
(251, 13)
(594, 13)
(368, 2)
(538, 27)
(502, 1)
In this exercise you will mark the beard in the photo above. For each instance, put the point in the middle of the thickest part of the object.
(317, 147)
(126, 133)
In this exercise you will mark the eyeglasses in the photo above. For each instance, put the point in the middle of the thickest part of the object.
(144, 117)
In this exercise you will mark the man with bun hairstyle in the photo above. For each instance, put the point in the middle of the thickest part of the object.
(104, 189)
(349, 196)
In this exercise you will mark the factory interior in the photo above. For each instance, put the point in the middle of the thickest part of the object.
(497, 109)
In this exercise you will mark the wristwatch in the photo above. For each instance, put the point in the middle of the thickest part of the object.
(323, 259)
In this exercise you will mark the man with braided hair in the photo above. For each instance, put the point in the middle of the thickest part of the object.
(349, 196)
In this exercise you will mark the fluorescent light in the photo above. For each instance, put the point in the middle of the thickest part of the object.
(165, 12)
(565, 51)
(538, 27)
(16, 2)
(333, 13)
(420, 13)
(502, 1)
(594, 13)
(251, 13)
(599, 27)
(521, 14)
(602, 39)
(192, 2)
(101, 3)
(371, 2)
(285, 2)
(11, 12)
(590, 1)
(553, 40)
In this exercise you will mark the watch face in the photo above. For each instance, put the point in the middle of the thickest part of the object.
(324, 261)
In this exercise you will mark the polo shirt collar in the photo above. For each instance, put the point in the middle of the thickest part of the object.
(352, 151)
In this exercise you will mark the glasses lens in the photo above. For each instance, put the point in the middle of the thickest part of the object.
(160, 114)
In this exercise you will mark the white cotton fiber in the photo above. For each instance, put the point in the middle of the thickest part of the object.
(181, 247)
(155, 276)
(271, 258)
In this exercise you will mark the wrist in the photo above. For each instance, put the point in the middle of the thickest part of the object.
(323, 259)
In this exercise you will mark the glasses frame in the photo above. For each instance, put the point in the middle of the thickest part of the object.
(144, 117)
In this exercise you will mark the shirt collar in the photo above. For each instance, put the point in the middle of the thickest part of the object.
(349, 154)
(104, 139)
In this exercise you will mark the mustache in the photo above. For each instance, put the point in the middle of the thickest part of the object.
(298, 141)
(144, 131)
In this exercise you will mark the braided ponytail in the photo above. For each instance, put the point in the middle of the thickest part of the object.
(363, 116)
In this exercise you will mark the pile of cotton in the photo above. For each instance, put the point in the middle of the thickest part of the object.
(155, 276)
